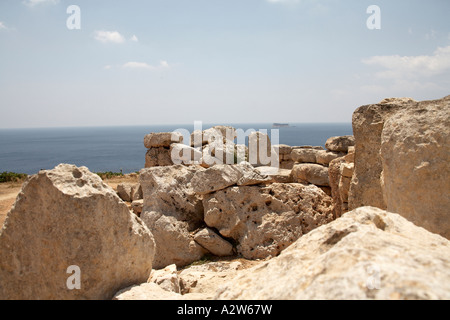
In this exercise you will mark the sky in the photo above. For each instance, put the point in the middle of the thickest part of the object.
(144, 62)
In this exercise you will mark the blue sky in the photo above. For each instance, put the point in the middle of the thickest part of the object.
(146, 62)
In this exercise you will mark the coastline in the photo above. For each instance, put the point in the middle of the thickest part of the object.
(114, 148)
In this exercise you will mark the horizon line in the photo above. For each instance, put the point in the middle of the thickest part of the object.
(169, 124)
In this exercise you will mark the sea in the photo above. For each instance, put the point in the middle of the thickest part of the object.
(121, 149)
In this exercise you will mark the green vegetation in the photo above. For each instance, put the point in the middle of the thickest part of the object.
(109, 174)
(12, 177)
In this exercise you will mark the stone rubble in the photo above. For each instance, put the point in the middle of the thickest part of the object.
(312, 223)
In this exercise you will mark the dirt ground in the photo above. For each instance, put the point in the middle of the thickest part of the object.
(8, 194)
(10, 190)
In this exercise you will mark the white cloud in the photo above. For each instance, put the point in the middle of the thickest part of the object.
(412, 67)
(134, 38)
(163, 64)
(146, 66)
(109, 37)
(33, 3)
(138, 65)
(4, 27)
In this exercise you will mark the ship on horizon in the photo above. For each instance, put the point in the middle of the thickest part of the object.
(281, 125)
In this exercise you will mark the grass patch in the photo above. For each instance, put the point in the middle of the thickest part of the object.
(109, 174)
(12, 177)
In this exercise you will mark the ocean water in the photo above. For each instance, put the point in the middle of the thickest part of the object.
(121, 148)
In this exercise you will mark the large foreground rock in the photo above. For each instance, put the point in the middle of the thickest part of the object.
(174, 242)
(264, 220)
(415, 152)
(198, 282)
(152, 291)
(368, 123)
(402, 160)
(168, 191)
(68, 217)
(172, 211)
(366, 254)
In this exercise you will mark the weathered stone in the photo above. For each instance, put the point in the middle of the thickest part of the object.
(334, 174)
(162, 139)
(166, 278)
(250, 176)
(68, 217)
(347, 169)
(228, 132)
(171, 211)
(215, 178)
(136, 192)
(137, 206)
(350, 157)
(308, 147)
(264, 220)
(287, 165)
(183, 154)
(129, 191)
(366, 254)
(415, 153)
(398, 101)
(260, 150)
(304, 155)
(276, 175)
(208, 160)
(220, 177)
(327, 190)
(206, 279)
(124, 191)
(151, 292)
(198, 282)
(168, 190)
(283, 149)
(414, 159)
(344, 186)
(368, 123)
(325, 157)
(340, 144)
(198, 139)
(208, 136)
(158, 157)
(311, 173)
(223, 152)
(174, 243)
(214, 243)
